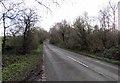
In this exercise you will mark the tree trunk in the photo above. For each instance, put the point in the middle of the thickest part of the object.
(4, 38)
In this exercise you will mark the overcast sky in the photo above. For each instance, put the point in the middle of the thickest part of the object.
(72, 9)
(69, 10)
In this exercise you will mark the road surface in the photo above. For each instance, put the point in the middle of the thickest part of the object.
(63, 65)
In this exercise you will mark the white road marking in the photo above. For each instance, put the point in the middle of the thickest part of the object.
(43, 68)
(99, 62)
(77, 61)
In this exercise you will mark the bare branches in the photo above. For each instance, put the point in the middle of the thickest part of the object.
(48, 7)
(44, 5)
(113, 6)
(3, 5)
(108, 16)
(56, 2)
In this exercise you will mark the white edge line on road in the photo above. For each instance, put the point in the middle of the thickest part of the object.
(99, 62)
(77, 61)
(87, 66)
(43, 68)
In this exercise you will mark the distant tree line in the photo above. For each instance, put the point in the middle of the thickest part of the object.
(102, 39)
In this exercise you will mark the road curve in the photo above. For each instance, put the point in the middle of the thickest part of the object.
(63, 65)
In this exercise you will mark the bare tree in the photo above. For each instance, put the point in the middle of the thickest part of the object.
(28, 19)
(113, 7)
(9, 14)
(107, 16)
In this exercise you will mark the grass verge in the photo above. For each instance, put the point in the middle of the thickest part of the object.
(98, 57)
(117, 62)
(17, 68)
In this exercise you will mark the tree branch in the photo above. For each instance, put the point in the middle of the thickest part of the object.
(44, 5)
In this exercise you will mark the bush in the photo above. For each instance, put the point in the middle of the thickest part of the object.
(112, 53)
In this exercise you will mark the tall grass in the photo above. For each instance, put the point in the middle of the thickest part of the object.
(17, 67)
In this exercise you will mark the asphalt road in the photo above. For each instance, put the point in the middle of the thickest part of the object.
(63, 65)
